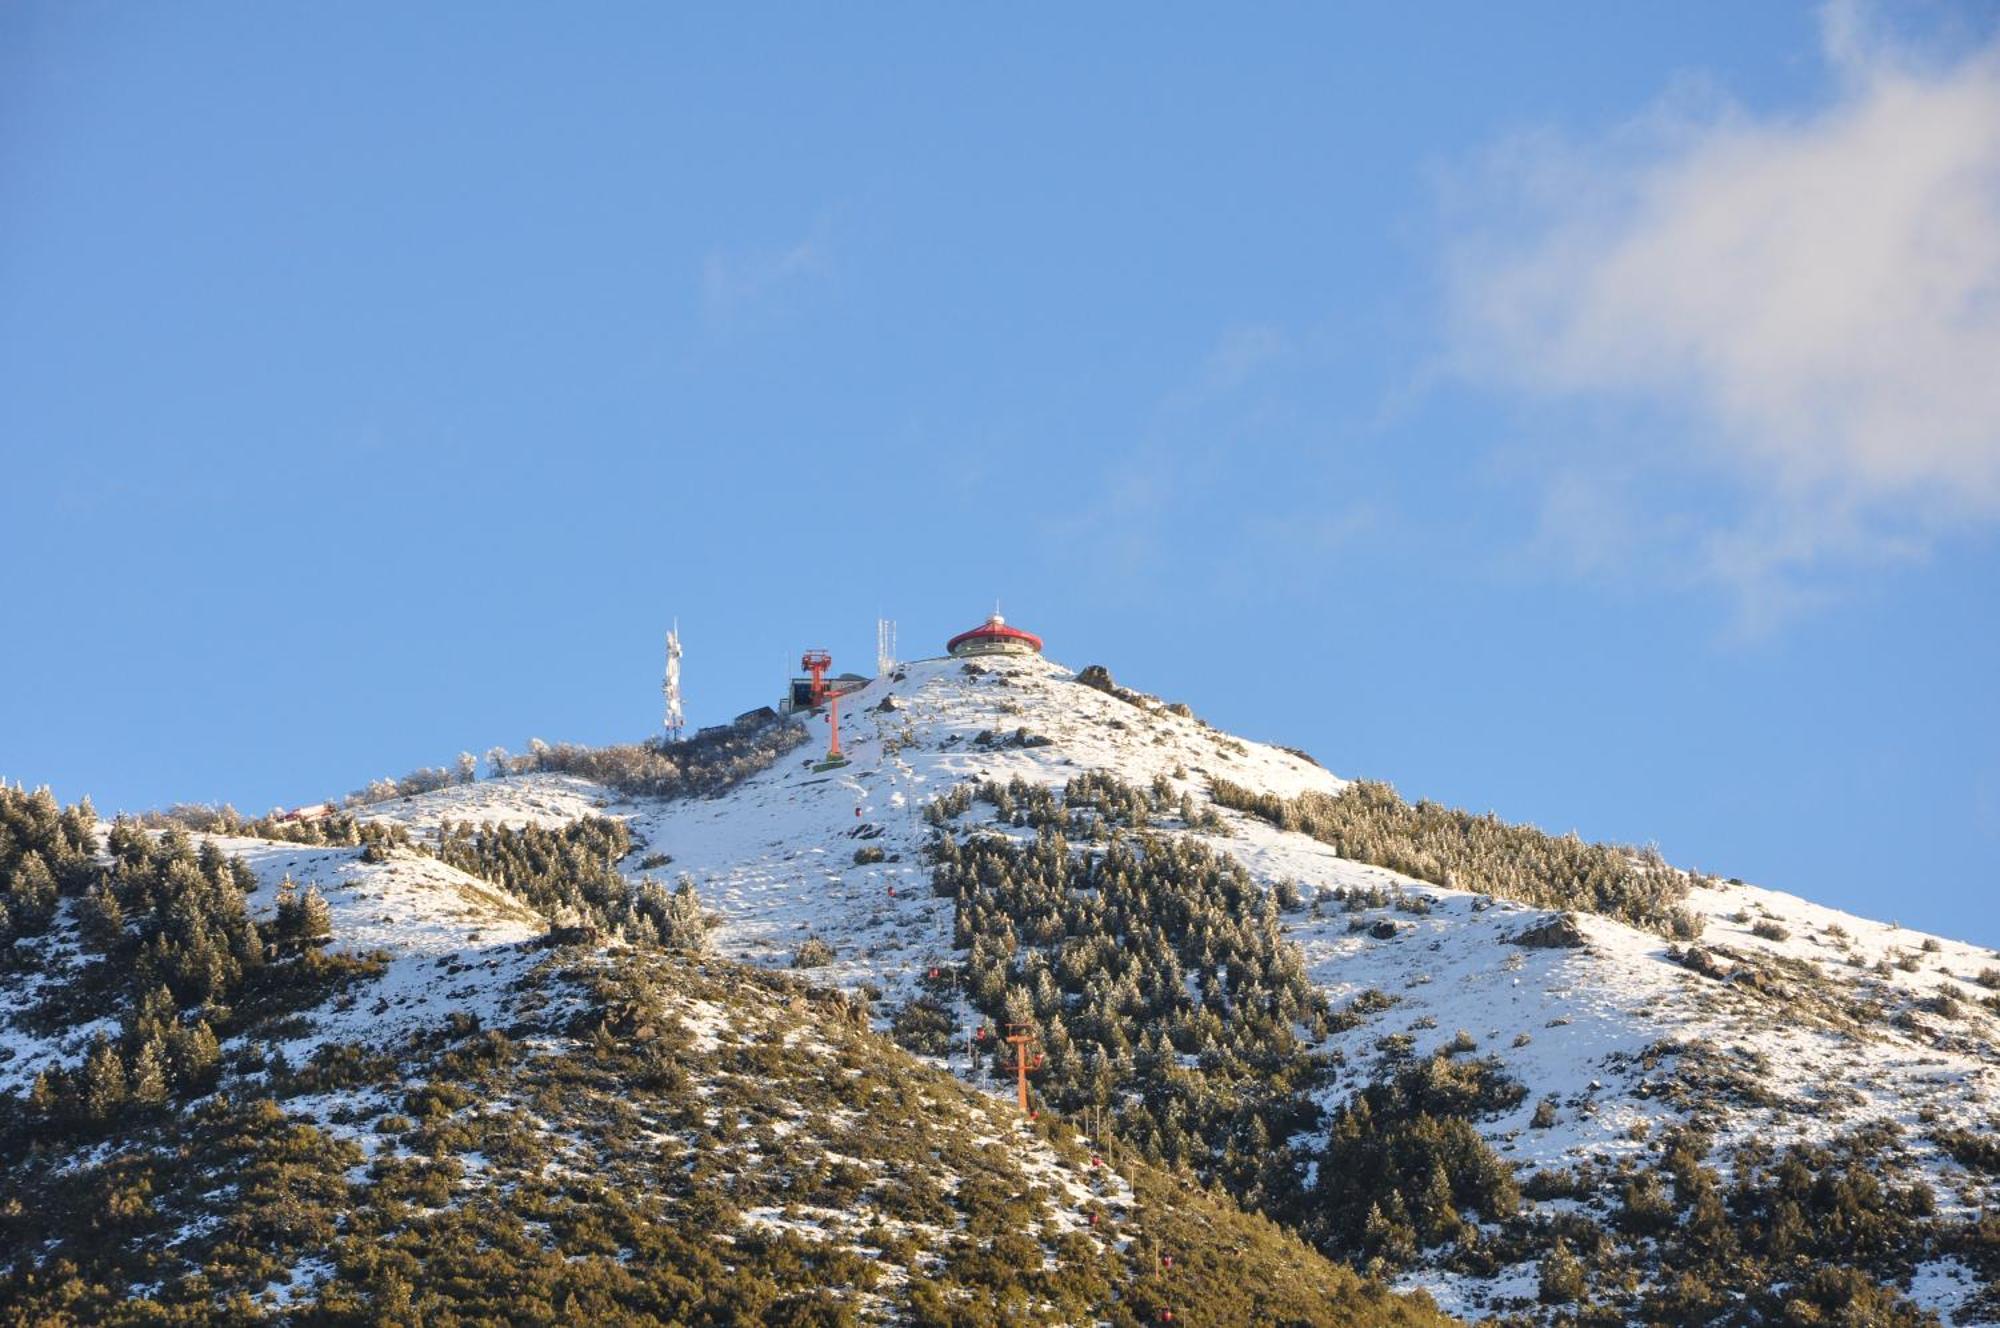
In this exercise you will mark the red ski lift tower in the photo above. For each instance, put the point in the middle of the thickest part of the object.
(1020, 1039)
(816, 663)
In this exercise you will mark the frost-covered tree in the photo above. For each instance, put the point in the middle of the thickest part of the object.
(101, 918)
(103, 1084)
(302, 918)
(31, 895)
(149, 1074)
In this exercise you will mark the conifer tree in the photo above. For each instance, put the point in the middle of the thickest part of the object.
(149, 1074)
(194, 1055)
(44, 1097)
(285, 917)
(31, 895)
(315, 918)
(102, 918)
(103, 1085)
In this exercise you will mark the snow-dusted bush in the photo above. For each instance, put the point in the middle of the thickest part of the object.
(812, 953)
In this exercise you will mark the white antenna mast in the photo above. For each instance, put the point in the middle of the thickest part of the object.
(885, 647)
(672, 686)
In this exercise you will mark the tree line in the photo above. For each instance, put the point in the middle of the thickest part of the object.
(1368, 821)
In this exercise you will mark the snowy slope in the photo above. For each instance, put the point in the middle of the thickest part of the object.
(1838, 1031)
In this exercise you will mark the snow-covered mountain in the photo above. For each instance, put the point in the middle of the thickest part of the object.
(1810, 1024)
(1782, 1027)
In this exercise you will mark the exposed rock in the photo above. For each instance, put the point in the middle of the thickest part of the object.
(1096, 675)
(1698, 960)
(1560, 932)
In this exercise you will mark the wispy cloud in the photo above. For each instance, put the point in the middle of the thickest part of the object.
(741, 282)
(1242, 352)
(1806, 307)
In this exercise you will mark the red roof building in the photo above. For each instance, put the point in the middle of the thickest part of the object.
(995, 637)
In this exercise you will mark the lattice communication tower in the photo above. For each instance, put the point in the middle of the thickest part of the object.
(672, 685)
(885, 647)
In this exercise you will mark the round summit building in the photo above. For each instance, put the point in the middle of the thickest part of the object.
(994, 637)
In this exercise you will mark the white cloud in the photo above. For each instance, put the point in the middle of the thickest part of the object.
(1811, 302)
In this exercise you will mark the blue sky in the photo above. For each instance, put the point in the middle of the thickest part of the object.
(1581, 412)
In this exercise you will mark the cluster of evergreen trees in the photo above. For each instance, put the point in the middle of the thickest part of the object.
(1812, 1234)
(1155, 977)
(708, 763)
(1404, 1165)
(335, 828)
(711, 762)
(46, 852)
(169, 949)
(1087, 805)
(1368, 822)
(570, 875)
(160, 1054)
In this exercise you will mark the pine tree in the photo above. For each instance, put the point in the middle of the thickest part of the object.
(153, 1014)
(31, 894)
(79, 826)
(315, 918)
(194, 1055)
(213, 862)
(1440, 1215)
(103, 1082)
(149, 1074)
(44, 1098)
(102, 918)
(285, 917)
(302, 919)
